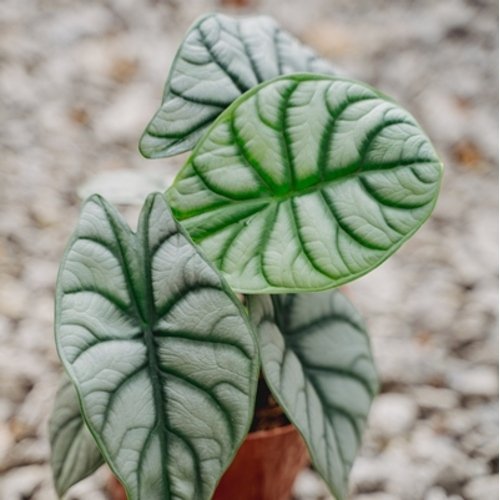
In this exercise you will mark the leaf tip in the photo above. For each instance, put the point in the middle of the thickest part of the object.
(142, 147)
(95, 198)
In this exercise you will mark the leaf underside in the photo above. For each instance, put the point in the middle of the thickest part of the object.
(306, 182)
(159, 349)
(74, 453)
(220, 59)
(317, 361)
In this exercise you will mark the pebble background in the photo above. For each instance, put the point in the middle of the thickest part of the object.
(79, 81)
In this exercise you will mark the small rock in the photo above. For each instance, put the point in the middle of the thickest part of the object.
(19, 371)
(13, 298)
(125, 116)
(22, 482)
(6, 409)
(65, 26)
(458, 422)
(486, 352)
(40, 273)
(481, 381)
(393, 472)
(376, 496)
(393, 414)
(481, 438)
(434, 303)
(6, 442)
(37, 405)
(386, 281)
(308, 486)
(124, 187)
(368, 474)
(28, 451)
(444, 118)
(432, 398)
(35, 334)
(446, 464)
(482, 488)
(481, 444)
(439, 493)
(5, 330)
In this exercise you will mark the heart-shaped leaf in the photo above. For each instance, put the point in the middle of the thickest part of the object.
(160, 351)
(317, 362)
(74, 453)
(220, 59)
(305, 183)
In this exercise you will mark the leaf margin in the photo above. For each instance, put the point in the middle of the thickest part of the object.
(226, 116)
(65, 384)
(252, 300)
(166, 88)
(230, 293)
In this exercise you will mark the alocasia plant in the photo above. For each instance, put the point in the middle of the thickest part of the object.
(298, 182)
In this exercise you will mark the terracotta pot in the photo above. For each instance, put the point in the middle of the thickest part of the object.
(115, 489)
(264, 468)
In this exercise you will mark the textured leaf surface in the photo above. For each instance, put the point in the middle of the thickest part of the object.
(159, 349)
(317, 361)
(74, 453)
(220, 59)
(305, 183)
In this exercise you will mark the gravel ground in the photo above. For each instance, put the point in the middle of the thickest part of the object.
(79, 81)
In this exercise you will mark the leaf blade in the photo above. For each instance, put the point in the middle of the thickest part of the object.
(220, 59)
(343, 177)
(74, 453)
(317, 362)
(147, 365)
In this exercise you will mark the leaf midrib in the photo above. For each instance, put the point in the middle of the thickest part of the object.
(267, 202)
(153, 362)
(281, 319)
(148, 339)
(342, 175)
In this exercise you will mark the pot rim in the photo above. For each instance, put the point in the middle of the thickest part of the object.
(270, 433)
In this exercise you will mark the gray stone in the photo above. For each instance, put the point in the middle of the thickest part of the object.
(433, 398)
(376, 496)
(124, 186)
(392, 415)
(27, 452)
(13, 299)
(406, 361)
(6, 409)
(125, 118)
(482, 488)
(37, 406)
(438, 493)
(446, 464)
(22, 482)
(368, 474)
(481, 381)
(404, 477)
(309, 486)
(6, 443)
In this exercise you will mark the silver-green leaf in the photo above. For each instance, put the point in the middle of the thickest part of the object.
(305, 183)
(74, 452)
(220, 59)
(317, 361)
(160, 350)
